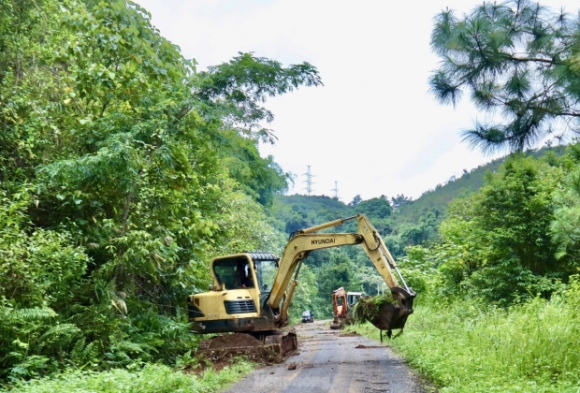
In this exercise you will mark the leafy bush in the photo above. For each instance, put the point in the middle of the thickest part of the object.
(151, 379)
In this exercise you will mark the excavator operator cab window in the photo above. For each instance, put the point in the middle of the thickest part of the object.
(352, 297)
(233, 273)
(266, 272)
(236, 272)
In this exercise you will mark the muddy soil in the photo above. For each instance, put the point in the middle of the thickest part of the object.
(232, 340)
(227, 346)
(331, 361)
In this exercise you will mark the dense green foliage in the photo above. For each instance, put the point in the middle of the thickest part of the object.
(507, 242)
(503, 232)
(565, 228)
(123, 169)
(515, 57)
(151, 379)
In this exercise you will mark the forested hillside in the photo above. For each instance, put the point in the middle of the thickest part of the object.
(438, 199)
(401, 220)
(417, 222)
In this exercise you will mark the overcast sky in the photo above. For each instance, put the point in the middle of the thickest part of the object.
(373, 129)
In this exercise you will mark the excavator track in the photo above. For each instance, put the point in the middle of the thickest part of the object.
(273, 349)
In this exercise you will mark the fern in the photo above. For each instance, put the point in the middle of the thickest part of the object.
(77, 352)
(29, 367)
(14, 316)
(132, 347)
(63, 329)
(82, 354)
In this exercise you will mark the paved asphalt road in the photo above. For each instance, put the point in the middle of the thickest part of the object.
(329, 361)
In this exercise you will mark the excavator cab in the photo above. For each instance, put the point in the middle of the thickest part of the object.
(237, 297)
(239, 271)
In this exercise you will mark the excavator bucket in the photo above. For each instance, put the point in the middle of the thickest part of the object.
(274, 348)
(386, 312)
(390, 316)
(337, 323)
(340, 323)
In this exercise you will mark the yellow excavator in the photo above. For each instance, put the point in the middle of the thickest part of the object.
(251, 292)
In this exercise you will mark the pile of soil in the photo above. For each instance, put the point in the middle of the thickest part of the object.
(222, 348)
(230, 341)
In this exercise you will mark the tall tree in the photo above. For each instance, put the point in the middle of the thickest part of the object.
(122, 168)
(400, 200)
(565, 227)
(503, 233)
(516, 57)
(375, 208)
(241, 85)
(355, 201)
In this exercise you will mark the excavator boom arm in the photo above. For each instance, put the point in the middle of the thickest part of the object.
(379, 253)
(296, 250)
(307, 240)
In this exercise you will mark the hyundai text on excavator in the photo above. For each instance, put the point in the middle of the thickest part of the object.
(251, 292)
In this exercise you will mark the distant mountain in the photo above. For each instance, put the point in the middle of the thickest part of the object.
(296, 212)
(415, 222)
(438, 199)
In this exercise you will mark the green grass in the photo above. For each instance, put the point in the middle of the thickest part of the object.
(531, 348)
(151, 379)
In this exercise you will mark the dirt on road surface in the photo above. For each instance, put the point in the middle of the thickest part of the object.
(332, 361)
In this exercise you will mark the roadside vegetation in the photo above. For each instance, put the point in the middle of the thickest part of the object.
(469, 346)
(152, 378)
(474, 347)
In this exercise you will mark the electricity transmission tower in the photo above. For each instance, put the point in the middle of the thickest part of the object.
(308, 181)
(335, 190)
